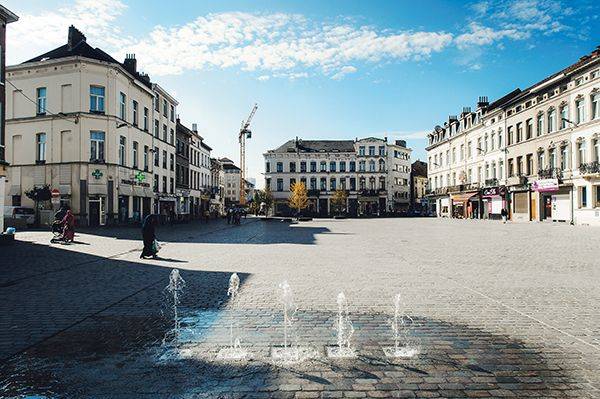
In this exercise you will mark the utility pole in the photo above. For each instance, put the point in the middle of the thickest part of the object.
(245, 133)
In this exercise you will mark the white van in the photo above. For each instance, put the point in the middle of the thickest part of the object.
(21, 213)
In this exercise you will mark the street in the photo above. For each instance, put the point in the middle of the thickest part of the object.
(498, 310)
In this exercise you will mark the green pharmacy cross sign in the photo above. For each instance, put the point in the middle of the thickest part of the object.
(140, 177)
(97, 174)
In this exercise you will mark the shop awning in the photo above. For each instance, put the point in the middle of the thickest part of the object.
(138, 191)
(462, 197)
(125, 190)
(97, 189)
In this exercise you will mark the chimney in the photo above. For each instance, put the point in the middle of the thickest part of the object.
(130, 64)
(75, 37)
(401, 143)
(482, 102)
(385, 138)
(195, 127)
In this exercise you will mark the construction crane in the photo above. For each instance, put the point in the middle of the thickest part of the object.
(245, 133)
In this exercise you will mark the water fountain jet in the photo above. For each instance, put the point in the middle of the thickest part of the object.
(344, 331)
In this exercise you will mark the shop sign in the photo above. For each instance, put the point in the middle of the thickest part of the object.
(545, 185)
(490, 191)
(134, 183)
(140, 177)
(97, 174)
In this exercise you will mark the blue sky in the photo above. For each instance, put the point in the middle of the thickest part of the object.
(331, 70)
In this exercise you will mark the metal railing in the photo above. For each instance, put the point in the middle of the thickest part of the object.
(550, 173)
(589, 168)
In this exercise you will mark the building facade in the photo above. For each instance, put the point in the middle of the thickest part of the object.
(6, 17)
(217, 187)
(533, 152)
(374, 173)
(200, 175)
(183, 138)
(231, 182)
(418, 187)
(82, 123)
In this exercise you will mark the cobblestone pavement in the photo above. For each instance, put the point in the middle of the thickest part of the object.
(498, 311)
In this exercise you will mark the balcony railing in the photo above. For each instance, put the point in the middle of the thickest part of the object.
(550, 173)
(589, 168)
(491, 182)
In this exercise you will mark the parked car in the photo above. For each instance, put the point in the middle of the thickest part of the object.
(21, 213)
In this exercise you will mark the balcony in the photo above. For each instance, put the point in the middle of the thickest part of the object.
(550, 173)
(491, 182)
(516, 180)
(590, 168)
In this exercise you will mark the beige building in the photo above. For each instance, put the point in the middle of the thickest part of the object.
(200, 174)
(375, 174)
(534, 152)
(95, 130)
(231, 182)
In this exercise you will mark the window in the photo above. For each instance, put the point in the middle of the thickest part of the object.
(172, 137)
(499, 138)
(597, 150)
(564, 116)
(156, 102)
(156, 128)
(500, 170)
(145, 119)
(382, 151)
(479, 149)
(583, 197)
(96, 99)
(372, 150)
(540, 161)
(171, 185)
(361, 166)
(564, 157)
(268, 167)
(122, 143)
(122, 105)
(469, 151)
(172, 113)
(164, 132)
(135, 112)
(164, 162)
(323, 166)
(540, 124)
(371, 166)
(293, 167)
(323, 184)
(40, 140)
(313, 166)
(352, 166)
(552, 158)
(529, 129)
(332, 184)
(171, 162)
(41, 100)
(581, 147)
(381, 165)
(97, 146)
(146, 157)
(135, 155)
(519, 132)
(551, 121)
(462, 152)
(292, 182)
(164, 184)
(303, 166)
(279, 167)
(454, 154)
(155, 183)
(510, 170)
(332, 166)
(156, 157)
(580, 109)
(361, 151)
(313, 183)
(595, 105)
(519, 166)
(165, 108)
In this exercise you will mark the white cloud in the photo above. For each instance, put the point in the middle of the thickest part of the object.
(479, 35)
(345, 70)
(36, 34)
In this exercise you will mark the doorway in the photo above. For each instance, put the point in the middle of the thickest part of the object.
(547, 207)
(94, 213)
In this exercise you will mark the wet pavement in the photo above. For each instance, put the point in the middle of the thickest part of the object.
(498, 311)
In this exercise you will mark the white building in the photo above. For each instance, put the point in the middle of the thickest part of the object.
(200, 174)
(92, 128)
(375, 174)
(231, 181)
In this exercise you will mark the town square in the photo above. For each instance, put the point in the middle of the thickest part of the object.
(285, 199)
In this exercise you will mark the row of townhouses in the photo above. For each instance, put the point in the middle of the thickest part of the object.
(534, 152)
(375, 174)
(105, 138)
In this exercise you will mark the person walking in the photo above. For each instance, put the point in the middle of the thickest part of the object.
(229, 215)
(504, 214)
(68, 223)
(149, 235)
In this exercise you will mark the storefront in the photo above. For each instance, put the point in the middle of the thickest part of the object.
(462, 207)
(183, 205)
(443, 207)
(555, 200)
(165, 207)
(493, 200)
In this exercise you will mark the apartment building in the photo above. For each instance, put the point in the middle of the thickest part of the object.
(82, 122)
(200, 174)
(183, 137)
(534, 152)
(375, 174)
(6, 17)
(217, 185)
(231, 182)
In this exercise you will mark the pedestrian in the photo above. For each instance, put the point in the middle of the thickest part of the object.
(504, 214)
(68, 223)
(229, 215)
(149, 235)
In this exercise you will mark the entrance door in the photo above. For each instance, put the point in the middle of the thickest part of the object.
(547, 207)
(94, 213)
(323, 211)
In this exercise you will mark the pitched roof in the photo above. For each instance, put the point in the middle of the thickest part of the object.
(316, 146)
(230, 166)
(77, 46)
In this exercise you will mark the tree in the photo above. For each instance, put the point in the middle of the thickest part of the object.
(298, 197)
(338, 201)
(267, 198)
(38, 195)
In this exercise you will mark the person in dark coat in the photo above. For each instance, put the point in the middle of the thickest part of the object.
(148, 234)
